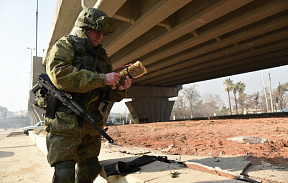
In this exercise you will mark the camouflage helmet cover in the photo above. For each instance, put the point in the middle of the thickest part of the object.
(92, 18)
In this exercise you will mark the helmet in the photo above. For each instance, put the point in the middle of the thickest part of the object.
(92, 18)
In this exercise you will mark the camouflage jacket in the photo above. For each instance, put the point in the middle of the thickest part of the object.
(75, 66)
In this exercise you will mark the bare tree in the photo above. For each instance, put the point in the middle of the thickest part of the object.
(281, 90)
(191, 94)
(178, 108)
(212, 105)
(3, 112)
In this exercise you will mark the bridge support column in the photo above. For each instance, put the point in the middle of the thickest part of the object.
(151, 104)
(35, 113)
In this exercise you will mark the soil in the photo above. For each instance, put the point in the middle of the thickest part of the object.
(209, 138)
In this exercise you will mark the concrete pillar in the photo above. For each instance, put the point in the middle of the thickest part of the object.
(35, 113)
(151, 104)
(150, 109)
(37, 69)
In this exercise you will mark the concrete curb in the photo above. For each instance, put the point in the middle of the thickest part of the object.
(39, 141)
(221, 166)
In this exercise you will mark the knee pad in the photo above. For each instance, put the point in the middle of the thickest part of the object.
(64, 172)
(88, 170)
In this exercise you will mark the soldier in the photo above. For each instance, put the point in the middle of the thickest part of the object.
(79, 65)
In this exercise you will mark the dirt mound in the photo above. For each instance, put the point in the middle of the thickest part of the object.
(209, 138)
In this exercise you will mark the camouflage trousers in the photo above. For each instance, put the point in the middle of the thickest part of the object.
(64, 152)
(77, 149)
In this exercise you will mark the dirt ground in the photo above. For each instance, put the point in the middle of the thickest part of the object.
(209, 138)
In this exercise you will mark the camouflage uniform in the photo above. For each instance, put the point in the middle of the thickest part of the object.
(75, 66)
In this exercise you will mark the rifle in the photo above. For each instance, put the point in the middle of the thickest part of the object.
(55, 95)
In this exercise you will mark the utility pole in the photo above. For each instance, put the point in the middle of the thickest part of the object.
(36, 26)
(31, 66)
(265, 93)
(271, 101)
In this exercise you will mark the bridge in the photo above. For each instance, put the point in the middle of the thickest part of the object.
(182, 42)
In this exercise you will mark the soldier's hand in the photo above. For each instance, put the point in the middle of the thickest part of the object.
(127, 84)
(112, 78)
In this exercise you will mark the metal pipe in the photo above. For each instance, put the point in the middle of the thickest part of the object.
(83, 4)
(265, 93)
(271, 101)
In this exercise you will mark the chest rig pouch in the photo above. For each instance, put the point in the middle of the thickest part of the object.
(93, 59)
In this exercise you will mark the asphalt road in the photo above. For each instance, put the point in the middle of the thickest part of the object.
(21, 161)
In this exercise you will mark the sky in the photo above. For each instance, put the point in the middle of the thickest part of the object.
(18, 31)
